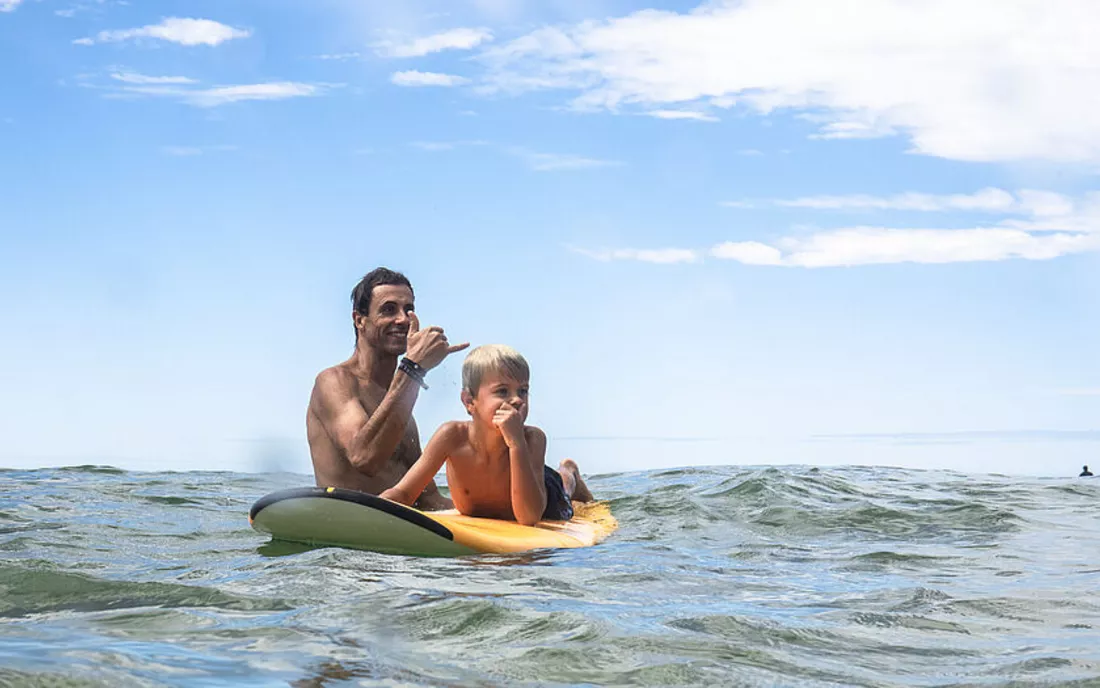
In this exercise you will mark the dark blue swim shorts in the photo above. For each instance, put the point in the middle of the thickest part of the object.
(558, 506)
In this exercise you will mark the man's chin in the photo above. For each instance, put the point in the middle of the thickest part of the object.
(396, 349)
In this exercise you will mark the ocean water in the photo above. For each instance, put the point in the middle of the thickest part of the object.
(717, 576)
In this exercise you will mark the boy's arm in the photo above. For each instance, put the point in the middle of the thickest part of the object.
(526, 454)
(440, 446)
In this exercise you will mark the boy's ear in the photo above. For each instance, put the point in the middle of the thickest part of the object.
(468, 401)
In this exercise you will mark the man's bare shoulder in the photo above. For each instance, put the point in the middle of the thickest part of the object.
(334, 384)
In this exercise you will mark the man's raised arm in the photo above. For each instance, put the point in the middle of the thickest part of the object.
(368, 440)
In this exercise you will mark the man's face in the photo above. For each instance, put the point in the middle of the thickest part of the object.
(386, 327)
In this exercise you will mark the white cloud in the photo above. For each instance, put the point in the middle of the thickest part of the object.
(187, 32)
(1081, 392)
(282, 90)
(982, 80)
(878, 245)
(988, 200)
(1039, 204)
(340, 57)
(437, 146)
(192, 151)
(415, 78)
(9, 5)
(1053, 225)
(134, 78)
(664, 256)
(556, 162)
(433, 146)
(682, 114)
(221, 95)
(455, 39)
(181, 151)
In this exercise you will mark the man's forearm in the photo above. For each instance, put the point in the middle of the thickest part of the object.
(377, 440)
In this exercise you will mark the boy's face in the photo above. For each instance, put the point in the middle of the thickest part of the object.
(497, 388)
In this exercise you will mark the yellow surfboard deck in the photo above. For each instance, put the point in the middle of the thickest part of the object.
(591, 523)
(347, 518)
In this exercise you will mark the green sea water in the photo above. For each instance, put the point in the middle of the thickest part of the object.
(724, 576)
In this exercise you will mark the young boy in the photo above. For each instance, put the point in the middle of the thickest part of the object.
(494, 462)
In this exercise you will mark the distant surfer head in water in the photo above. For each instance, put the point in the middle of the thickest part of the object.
(359, 421)
(1085, 472)
(495, 462)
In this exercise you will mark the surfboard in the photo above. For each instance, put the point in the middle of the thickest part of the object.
(332, 516)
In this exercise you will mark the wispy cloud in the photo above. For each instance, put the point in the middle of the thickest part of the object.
(9, 5)
(556, 162)
(1054, 225)
(339, 57)
(664, 256)
(222, 95)
(415, 78)
(880, 245)
(963, 94)
(437, 146)
(188, 32)
(193, 151)
(682, 114)
(985, 200)
(1081, 392)
(134, 78)
(455, 39)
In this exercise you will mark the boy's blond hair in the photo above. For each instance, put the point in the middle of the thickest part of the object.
(492, 357)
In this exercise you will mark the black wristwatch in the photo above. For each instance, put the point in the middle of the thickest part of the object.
(413, 370)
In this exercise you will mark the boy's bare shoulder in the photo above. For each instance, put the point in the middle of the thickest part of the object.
(535, 434)
(454, 432)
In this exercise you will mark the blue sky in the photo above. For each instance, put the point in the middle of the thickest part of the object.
(756, 232)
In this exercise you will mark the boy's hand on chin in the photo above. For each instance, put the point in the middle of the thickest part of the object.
(510, 424)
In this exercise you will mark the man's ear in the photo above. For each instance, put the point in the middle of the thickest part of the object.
(468, 401)
(358, 320)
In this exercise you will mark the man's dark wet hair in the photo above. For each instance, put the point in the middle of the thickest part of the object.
(360, 296)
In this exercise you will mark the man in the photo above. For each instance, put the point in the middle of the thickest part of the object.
(1085, 472)
(359, 423)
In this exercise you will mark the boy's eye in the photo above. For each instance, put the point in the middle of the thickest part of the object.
(523, 391)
